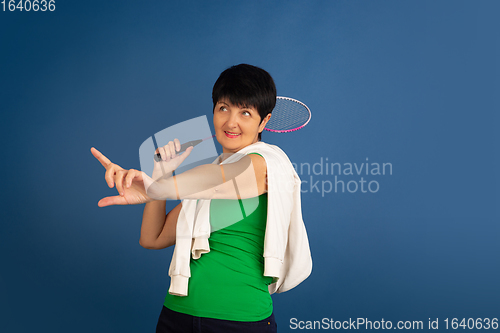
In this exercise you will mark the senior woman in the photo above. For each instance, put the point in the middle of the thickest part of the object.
(238, 232)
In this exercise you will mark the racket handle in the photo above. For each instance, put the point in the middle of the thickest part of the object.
(184, 146)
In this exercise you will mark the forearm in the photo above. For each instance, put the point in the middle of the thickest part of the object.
(162, 188)
(153, 222)
(197, 183)
(211, 181)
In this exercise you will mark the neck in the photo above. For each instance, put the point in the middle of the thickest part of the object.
(224, 156)
(226, 153)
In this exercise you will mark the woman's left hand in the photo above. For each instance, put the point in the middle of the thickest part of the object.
(129, 183)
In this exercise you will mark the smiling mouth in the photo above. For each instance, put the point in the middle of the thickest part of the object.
(232, 135)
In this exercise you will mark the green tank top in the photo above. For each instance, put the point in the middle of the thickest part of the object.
(228, 282)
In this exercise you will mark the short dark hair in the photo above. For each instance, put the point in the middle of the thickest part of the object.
(246, 86)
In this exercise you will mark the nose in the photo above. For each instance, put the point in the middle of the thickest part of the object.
(232, 122)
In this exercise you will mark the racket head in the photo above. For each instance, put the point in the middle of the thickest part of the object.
(288, 115)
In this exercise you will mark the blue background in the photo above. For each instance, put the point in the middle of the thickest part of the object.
(411, 83)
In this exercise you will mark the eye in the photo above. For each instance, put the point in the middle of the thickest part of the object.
(246, 113)
(223, 108)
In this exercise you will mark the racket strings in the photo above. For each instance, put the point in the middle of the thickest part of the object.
(288, 115)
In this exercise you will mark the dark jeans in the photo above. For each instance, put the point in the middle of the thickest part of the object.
(172, 322)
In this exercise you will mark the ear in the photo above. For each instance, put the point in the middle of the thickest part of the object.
(264, 122)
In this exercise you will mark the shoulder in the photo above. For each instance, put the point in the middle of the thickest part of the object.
(279, 168)
(272, 154)
(273, 157)
(258, 162)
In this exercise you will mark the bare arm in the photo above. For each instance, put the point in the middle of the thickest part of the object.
(243, 179)
(158, 230)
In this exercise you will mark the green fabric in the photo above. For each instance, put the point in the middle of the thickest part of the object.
(228, 283)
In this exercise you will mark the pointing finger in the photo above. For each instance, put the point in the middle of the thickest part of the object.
(100, 157)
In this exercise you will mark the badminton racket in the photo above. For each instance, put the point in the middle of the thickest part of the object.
(287, 116)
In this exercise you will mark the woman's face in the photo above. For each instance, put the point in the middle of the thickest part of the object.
(236, 127)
